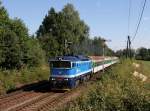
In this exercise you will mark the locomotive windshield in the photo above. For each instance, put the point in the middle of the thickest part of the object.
(61, 64)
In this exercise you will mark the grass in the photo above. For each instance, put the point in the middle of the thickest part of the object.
(118, 90)
(144, 67)
(10, 79)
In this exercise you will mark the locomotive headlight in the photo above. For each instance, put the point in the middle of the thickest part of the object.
(52, 79)
(66, 79)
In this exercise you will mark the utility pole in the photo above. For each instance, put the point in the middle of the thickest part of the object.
(129, 47)
(128, 50)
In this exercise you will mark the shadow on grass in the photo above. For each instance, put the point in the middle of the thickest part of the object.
(41, 87)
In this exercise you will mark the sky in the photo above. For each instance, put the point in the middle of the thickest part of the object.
(106, 18)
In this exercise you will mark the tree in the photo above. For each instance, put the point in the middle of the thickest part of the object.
(35, 55)
(93, 47)
(143, 54)
(50, 45)
(17, 48)
(9, 50)
(123, 53)
(66, 25)
(61, 26)
(98, 46)
(3, 13)
(49, 24)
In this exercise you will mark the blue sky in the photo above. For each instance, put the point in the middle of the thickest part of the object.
(106, 18)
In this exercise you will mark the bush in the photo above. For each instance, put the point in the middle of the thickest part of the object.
(9, 79)
(18, 49)
(118, 90)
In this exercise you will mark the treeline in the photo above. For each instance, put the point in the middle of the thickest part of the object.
(66, 25)
(17, 48)
(139, 54)
(143, 54)
(60, 33)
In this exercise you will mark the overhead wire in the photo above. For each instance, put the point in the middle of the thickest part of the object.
(130, 4)
(138, 25)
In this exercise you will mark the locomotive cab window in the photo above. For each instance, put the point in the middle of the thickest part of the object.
(60, 64)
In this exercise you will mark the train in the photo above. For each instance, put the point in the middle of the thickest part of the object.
(67, 72)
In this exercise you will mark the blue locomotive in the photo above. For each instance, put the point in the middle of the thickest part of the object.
(68, 71)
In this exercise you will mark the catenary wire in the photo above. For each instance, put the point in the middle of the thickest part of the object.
(138, 25)
(130, 5)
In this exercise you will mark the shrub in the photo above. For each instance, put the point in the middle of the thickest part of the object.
(9, 79)
(117, 90)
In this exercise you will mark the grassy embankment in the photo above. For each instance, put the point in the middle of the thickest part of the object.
(118, 90)
(10, 79)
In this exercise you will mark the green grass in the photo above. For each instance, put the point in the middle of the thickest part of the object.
(144, 67)
(9, 79)
(118, 90)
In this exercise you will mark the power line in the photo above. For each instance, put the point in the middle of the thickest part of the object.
(138, 25)
(130, 4)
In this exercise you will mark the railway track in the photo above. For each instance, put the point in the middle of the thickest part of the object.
(43, 100)
(39, 103)
(46, 102)
(35, 101)
(21, 96)
(4, 104)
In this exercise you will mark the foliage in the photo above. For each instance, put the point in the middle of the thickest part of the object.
(118, 90)
(92, 47)
(35, 55)
(139, 54)
(17, 51)
(17, 48)
(61, 26)
(3, 13)
(143, 54)
(123, 53)
(10, 79)
(66, 25)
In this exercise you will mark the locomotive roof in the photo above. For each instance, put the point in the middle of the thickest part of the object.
(71, 58)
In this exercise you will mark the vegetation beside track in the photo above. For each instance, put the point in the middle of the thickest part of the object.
(144, 67)
(117, 89)
(10, 79)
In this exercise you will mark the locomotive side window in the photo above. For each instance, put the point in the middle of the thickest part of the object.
(73, 64)
(61, 64)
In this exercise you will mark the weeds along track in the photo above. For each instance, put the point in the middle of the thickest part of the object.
(40, 98)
